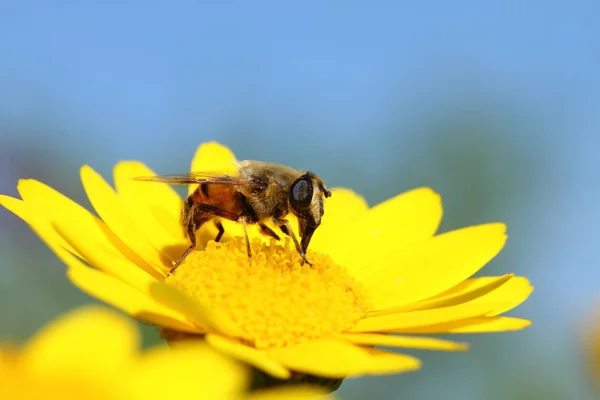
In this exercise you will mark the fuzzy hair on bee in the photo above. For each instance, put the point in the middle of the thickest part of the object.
(260, 192)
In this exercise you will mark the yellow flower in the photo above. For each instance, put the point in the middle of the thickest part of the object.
(377, 272)
(93, 353)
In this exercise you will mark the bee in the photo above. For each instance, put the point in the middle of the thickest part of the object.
(259, 192)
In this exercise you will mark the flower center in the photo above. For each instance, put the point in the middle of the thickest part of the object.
(275, 300)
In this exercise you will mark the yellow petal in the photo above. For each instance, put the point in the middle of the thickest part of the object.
(336, 359)
(387, 228)
(341, 210)
(118, 293)
(249, 355)
(154, 208)
(57, 208)
(174, 298)
(128, 299)
(50, 204)
(148, 286)
(414, 342)
(58, 244)
(31, 214)
(507, 296)
(105, 260)
(299, 392)
(37, 220)
(466, 291)
(434, 266)
(213, 157)
(473, 325)
(416, 319)
(127, 296)
(514, 293)
(93, 338)
(112, 210)
(188, 370)
(473, 285)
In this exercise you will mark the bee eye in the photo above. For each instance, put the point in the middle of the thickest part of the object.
(301, 194)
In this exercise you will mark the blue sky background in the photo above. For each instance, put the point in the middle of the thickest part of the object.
(354, 89)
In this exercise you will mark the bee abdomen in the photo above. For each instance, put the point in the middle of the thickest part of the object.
(204, 189)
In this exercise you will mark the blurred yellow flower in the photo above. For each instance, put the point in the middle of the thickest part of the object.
(93, 353)
(378, 272)
(590, 340)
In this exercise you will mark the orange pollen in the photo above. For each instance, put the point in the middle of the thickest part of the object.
(274, 299)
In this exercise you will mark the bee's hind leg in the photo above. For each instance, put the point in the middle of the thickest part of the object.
(184, 255)
(192, 223)
(181, 258)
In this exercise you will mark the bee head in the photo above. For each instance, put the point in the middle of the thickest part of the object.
(306, 202)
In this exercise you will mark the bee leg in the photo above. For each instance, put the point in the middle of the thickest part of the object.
(184, 255)
(265, 230)
(248, 249)
(181, 258)
(193, 223)
(286, 228)
(219, 226)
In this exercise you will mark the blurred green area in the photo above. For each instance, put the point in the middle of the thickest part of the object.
(477, 153)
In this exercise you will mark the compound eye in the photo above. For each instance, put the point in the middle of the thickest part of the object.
(301, 194)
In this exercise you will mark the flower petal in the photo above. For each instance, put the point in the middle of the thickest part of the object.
(44, 229)
(466, 291)
(211, 321)
(111, 209)
(341, 210)
(507, 292)
(257, 358)
(97, 283)
(159, 291)
(416, 319)
(127, 299)
(59, 245)
(507, 296)
(215, 157)
(115, 292)
(47, 203)
(298, 392)
(331, 358)
(414, 342)
(36, 219)
(105, 260)
(195, 370)
(434, 266)
(406, 219)
(514, 293)
(58, 208)
(154, 208)
(473, 325)
(93, 337)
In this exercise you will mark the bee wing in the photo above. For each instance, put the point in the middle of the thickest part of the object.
(195, 178)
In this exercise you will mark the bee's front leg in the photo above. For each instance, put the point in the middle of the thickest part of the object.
(286, 228)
